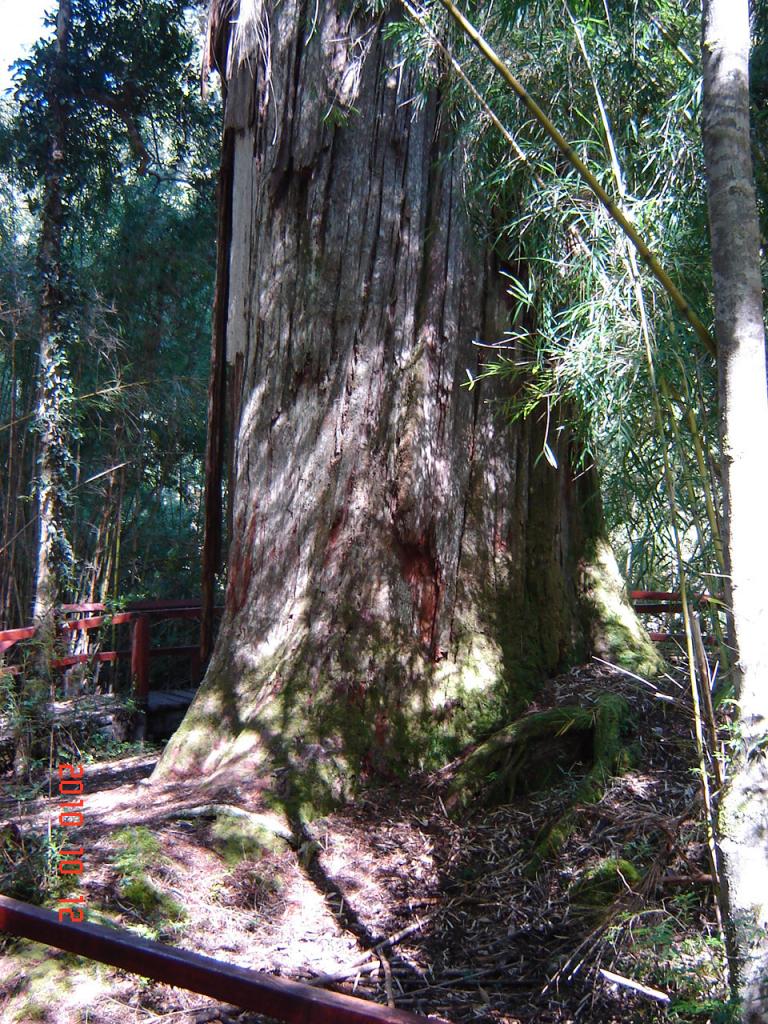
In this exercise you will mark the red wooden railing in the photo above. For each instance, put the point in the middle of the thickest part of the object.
(139, 615)
(664, 602)
(289, 1001)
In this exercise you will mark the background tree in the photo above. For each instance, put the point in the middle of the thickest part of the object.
(18, 358)
(136, 272)
(54, 383)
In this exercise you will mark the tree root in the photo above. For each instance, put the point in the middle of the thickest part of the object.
(534, 752)
(263, 821)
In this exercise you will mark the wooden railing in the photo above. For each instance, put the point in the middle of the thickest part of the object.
(140, 615)
(289, 1001)
(664, 602)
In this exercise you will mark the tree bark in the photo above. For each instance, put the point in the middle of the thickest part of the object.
(404, 568)
(744, 427)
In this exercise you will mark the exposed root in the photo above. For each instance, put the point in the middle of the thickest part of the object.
(534, 752)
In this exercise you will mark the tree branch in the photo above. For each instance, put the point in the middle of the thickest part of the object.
(119, 105)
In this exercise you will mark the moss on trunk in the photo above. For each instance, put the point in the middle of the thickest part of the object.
(535, 751)
(617, 634)
(611, 756)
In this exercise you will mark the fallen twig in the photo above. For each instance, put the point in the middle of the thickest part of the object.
(346, 972)
(636, 986)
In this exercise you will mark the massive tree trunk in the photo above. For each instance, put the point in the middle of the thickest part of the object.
(744, 426)
(403, 568)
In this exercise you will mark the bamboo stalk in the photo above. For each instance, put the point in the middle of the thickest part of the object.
(698, 448)
(687, 479)
(688, 403)
(704, 481)
(702, 450)
(705, 682)
(700, 749)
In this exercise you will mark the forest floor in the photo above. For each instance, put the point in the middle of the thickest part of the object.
(460, 931)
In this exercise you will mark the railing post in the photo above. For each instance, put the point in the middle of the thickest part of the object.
(194, 666)
(140, 657)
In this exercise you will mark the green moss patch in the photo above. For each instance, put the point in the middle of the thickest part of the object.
(138, 852)
(236, 839)
(149, 901)
(600, 884)
(534, 752)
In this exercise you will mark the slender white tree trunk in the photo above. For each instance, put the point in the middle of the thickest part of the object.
(744, 430)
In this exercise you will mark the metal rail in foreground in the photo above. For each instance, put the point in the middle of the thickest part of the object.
(289, 1001)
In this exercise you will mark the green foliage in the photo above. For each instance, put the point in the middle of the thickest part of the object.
(669, 952)
(103, 748)
(125, 82)
(25, 712)
(29, 865)
(155, 270)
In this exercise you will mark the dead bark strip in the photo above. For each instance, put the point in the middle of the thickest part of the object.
(214, 448)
